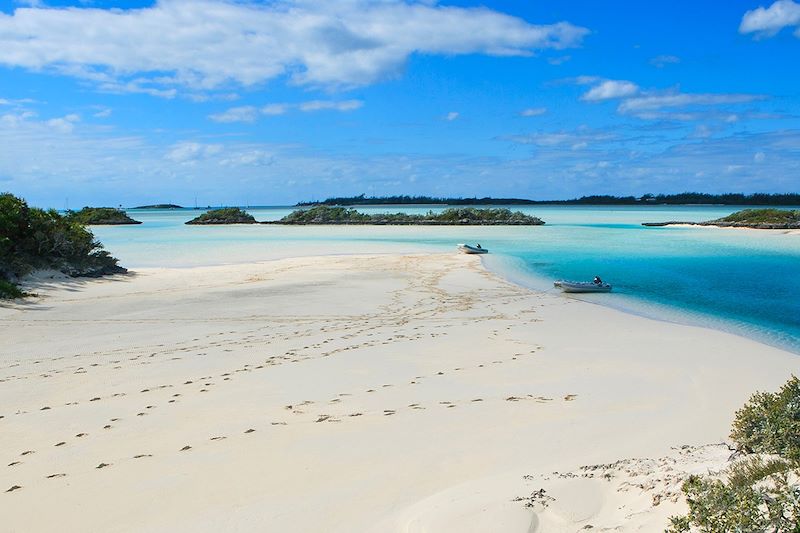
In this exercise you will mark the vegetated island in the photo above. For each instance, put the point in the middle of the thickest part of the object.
(226, 215)
(158, 206)
(468, 216)
(747, 218)
(686, 198)
(101, 216)
(35, 239)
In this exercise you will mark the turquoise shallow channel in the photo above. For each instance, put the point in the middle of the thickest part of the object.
(743, 281)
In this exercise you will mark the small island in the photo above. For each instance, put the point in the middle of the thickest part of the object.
(227, 215)
(747, 218)
(36, 239)
(158, 206)
(101, 216)
(468, 216)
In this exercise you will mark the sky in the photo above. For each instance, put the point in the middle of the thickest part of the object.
(273, 102)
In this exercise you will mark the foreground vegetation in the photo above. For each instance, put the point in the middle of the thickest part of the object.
(227, 215)
(468, 216)
(32, 239)
(759, 491)
(101, 216)
(686, 198)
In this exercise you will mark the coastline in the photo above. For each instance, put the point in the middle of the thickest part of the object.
(395, 392)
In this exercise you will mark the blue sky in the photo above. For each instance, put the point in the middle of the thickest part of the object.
(268, 103)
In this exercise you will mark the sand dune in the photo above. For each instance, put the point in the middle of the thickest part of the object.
(365, 393)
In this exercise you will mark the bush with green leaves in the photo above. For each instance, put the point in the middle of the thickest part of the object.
(32, 238)
(760, 491)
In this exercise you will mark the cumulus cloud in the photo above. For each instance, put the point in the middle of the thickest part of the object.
(766, 22)
(609, 90)
(533, 111)
(204, 45)
(451, 116)
(251, 113)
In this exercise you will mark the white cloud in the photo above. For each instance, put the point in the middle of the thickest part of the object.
(533, 111)
(451, 116)
(560, 60)
(759, 157)
(188, 152)
(322, 105)
(104, 112)
(610, 89)
(275, 109)
(766, 22)
(236, 114)
(577, 139)
(656, 102)
(208, 44)
(663, 60)
(65, 124)
(251, 113)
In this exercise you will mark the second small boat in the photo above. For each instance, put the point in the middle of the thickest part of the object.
(582, 286)
(469, 249)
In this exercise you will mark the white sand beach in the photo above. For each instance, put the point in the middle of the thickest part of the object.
(385, 393)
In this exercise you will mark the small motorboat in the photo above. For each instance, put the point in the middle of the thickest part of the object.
(469, 249)
(581, 286)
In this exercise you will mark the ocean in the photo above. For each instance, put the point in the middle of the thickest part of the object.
(743, 281)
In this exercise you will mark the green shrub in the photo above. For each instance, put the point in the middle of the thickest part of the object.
(32, 239)
(9, 291)
(758, 493)
(763, 216)
(770, 422)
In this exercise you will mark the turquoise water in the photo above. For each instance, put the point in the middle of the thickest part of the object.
(747, 282)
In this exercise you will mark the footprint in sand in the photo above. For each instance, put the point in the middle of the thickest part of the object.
(15, 463)
(186, 448)
(15, 487)
(27, 452)
(102, 465)
(60, 443)
(51, 476)
(570, 397)
(140, 456)
(251, 430)
(218, 438)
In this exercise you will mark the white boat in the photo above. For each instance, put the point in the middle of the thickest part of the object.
(468, 249)
(582, 286)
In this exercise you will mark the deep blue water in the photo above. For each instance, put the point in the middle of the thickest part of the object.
(739, 280)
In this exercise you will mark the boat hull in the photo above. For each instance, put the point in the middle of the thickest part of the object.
(467, 249)
(581, 286)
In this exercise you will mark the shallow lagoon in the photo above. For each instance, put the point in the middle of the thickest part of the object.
(739, 280)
